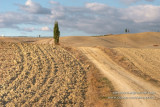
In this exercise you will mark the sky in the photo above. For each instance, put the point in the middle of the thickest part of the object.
(78, 17)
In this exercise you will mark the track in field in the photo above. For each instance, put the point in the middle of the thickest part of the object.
(40, 75)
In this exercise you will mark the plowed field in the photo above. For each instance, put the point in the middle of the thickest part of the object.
(40, 75)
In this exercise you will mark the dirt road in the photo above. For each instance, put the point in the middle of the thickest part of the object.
(124, 81)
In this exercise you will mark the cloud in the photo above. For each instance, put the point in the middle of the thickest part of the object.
(96, 6)
(130, 1)
(92, 18)
(134, 1)
(34, 8)
(150, 0)
(142, 13)
(54, 3)
(45, 28)
(12, 19)
(30, 29)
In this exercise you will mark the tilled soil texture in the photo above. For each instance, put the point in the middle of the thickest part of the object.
(40, 75)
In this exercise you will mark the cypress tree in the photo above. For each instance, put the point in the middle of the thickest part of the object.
(56, 33)
(126, 30)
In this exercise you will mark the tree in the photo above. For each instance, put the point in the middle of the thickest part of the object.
(126, 30)
(56, 33)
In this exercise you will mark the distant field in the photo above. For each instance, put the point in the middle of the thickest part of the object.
(139, 40)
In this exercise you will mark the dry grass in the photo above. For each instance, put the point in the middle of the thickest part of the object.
(155, 45)
(141, 62)
(99, 87)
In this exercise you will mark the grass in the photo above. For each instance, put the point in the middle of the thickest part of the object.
(128, 65)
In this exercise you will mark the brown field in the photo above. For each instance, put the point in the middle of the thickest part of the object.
(81, 71)
(40, 75)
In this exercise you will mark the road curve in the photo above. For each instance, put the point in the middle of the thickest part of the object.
(124, 81)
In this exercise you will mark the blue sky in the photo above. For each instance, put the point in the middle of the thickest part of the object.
(78, 17)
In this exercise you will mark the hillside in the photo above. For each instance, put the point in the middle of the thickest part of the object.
(81, 71)
(140, 40)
